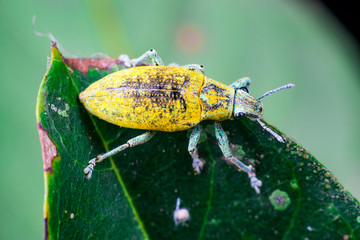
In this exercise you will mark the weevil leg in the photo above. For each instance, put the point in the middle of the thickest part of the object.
(195, 67)
(241, 83)
(152, 54)
(194, 138)
(126, 60)
(143, 138)
(224, 146)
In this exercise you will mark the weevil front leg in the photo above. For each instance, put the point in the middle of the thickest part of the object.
(224, 146)
(143, 138)
(152, 54)
(194, 138)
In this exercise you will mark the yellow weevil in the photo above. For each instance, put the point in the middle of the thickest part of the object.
(172, 98)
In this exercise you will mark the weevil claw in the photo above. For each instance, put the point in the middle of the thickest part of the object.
(133, 63)
(126, 59)
(197, 165)
(88, 176)
(90, 168)
(255, 182)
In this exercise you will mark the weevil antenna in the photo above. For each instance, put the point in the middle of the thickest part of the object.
(276, 90)
(277, 136)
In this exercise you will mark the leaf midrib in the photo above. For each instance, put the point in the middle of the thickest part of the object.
(211, 193)
(113, 166)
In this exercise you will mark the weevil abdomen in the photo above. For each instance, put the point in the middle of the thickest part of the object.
(157, 98)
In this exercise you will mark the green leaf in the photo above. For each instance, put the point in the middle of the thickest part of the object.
(133, 195)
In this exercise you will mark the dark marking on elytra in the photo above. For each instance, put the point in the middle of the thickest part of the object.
(165, 99)
(162, 89)
(188, 124)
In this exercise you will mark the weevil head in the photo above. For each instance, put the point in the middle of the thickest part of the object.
(245, 105)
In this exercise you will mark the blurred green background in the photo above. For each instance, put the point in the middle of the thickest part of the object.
(273, 42)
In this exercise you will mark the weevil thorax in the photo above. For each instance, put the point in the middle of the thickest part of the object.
(245, 105)
(216, 100)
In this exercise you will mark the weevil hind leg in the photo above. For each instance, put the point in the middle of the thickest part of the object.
(151, 54)
(194, 139)
(223, 143)
(143, 138)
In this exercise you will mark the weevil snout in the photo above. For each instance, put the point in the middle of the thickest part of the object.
(245, 105)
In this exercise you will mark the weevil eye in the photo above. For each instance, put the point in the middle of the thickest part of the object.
(151, 50)
(239, 115)
(202, 66)
(244, 89)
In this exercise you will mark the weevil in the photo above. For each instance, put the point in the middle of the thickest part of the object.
(172, 98)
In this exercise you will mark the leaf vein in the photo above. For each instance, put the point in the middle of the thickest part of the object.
(116, 170)
(211, 194)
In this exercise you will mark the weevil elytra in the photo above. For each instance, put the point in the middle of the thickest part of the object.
(170, 98)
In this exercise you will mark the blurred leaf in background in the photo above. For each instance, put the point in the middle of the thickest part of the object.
(273, 42)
